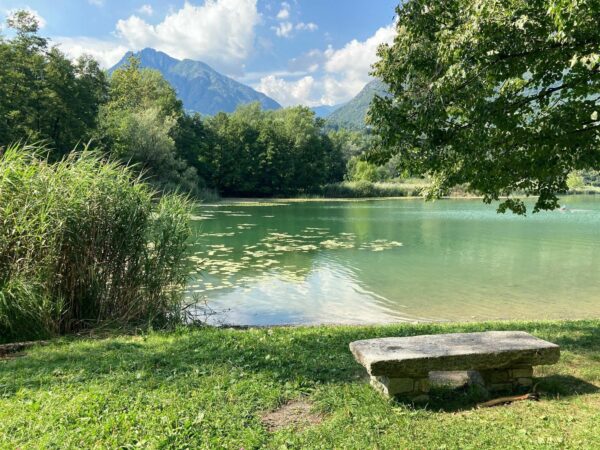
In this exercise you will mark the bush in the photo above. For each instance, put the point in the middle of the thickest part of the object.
(358, 170)
(575, 181)
(85, 242)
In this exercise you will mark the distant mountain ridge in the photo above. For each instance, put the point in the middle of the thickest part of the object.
(353, 114)
(201, 88)
(325, 111)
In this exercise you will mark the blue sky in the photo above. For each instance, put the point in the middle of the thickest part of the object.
(310, 52)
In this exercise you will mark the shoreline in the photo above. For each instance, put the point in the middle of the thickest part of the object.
(9, 348)
(284, 200)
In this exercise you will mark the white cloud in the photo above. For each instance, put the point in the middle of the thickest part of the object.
(96, 2)
(288, 92)
(106, 53)
(146, 10)
(310, 26)
(308, 90)
(345, 73)
(356, 58)
(284, 29)
(219, 32)
(40, 20)
(284, 12)
(254, 77)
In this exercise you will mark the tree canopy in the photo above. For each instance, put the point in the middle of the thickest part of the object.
(257, 152)
(503, 96)
(43, 95)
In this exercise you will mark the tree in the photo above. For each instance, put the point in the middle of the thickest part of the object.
(359, 170)
(501, 95)
(43, 95)
(140, 124)
(193, 140)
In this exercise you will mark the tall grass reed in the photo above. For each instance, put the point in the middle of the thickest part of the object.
(85, 242)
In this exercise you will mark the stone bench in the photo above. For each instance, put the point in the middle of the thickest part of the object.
(400, 366)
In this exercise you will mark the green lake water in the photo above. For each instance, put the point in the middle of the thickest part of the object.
(395, 260)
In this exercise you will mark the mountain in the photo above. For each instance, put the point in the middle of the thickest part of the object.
(201, 88)
(325, 110)
(352, 115)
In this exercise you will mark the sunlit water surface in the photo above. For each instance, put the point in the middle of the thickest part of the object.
(395, 260)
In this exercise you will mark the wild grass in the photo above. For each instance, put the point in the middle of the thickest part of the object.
(588, 190)
(210, 388)
(83, 242)
(364, 189)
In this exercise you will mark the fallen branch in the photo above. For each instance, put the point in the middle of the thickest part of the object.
(506, 400)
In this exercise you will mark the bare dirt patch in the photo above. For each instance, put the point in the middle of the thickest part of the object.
(296, 414)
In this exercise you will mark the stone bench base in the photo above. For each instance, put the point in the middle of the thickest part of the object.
(507, 379)
(416, 389)
(413, 389)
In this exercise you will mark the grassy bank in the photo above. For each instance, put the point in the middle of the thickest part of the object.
(212, 388)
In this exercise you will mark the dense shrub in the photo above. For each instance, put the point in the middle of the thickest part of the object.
(84, 242)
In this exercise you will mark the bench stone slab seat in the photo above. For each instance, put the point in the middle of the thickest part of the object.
(401, 365)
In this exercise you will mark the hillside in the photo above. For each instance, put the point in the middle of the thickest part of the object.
(352, 115)
(325, 111)
(201, 88)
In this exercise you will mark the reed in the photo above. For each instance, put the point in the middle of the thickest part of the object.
(366, 189)
(85, 242)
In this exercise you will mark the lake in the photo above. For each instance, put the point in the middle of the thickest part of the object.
(394, 260)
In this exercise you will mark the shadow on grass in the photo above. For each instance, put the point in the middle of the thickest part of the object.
(565, 386)
(470, 396)
(305, 357)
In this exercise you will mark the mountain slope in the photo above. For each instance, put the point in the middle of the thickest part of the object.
(325, 110)
(201, 88)
(352, 115)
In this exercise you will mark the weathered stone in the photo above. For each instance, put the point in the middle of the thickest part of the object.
(393, 386)
(455, 378)
(418, 355)
(521, 372)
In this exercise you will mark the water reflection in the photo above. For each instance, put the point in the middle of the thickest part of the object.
(329, 293)
(395, 260)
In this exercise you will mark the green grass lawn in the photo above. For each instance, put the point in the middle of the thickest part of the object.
(209, 388)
